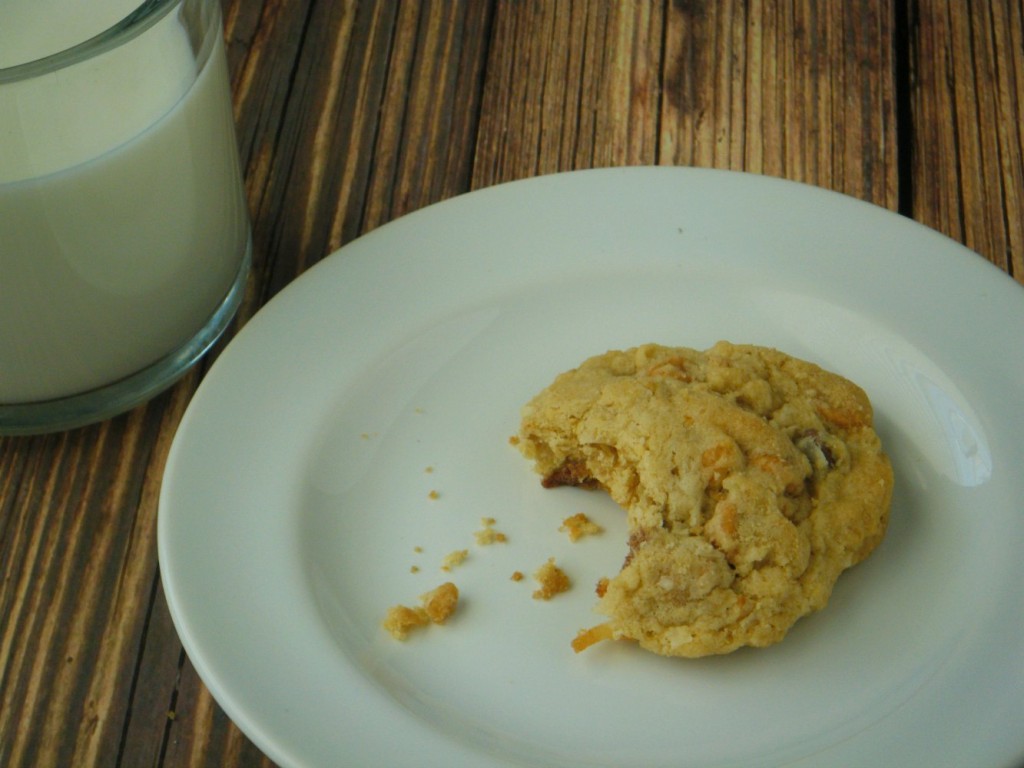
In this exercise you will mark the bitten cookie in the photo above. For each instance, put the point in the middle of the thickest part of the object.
(750, 479)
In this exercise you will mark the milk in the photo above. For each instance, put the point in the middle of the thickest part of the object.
(122, 218)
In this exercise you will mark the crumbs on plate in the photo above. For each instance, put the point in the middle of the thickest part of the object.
(551, 579)
(435, 607)
(488, 535)
(579, 525)
(453, 559)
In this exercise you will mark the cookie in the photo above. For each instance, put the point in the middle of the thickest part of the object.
(750, 479)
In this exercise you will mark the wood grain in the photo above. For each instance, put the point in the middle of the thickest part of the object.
(968, 122)
(801, 90)
(79, 563)
(569, 86)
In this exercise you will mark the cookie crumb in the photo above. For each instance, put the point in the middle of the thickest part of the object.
(434, 495)
(401, 620)
(488, 535)
(517, 576)
(579, 525)
(414, 569)
(552, 580)
(440, 602)
(436, 606)
(429, 470)
(452, 559)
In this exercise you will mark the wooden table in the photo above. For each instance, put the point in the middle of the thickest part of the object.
(351, 114)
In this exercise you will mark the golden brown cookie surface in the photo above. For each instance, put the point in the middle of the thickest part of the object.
(751, 480)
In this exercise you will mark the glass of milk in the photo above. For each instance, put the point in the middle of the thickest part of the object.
(124, 235)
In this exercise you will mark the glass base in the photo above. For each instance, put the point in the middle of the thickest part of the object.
(123, 395)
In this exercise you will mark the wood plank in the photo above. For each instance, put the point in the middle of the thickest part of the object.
(568, 86)
(724, 84)
(329, 122)
(153, 697)
(343, 159)
(78, 557)
(119, 631)
(200, 733)
(264, 48)
(967, 101)
(802, 90)
(423, 151)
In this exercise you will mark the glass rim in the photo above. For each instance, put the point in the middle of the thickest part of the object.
(146, 14)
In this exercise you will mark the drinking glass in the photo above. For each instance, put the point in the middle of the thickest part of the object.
(124, 235)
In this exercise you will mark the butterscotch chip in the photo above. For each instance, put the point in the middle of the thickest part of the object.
(750, 479)
(551, 579)
(587, 637)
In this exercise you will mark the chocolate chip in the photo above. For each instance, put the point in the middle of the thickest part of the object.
(814, 447)
(571, 472)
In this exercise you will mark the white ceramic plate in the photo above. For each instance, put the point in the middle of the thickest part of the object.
(299, 487)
